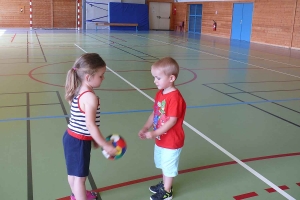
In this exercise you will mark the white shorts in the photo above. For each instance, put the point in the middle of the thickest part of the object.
(167, 160)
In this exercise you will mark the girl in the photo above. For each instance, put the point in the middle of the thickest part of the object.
(86, 74)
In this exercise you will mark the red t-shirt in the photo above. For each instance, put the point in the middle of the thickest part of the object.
(169, 105)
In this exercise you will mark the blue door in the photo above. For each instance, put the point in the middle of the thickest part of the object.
(195, 18)
(247, 21)
(242, 21)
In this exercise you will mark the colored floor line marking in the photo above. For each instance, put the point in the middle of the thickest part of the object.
(136, 181)
(13, 38)
(141, 111)
(245, 196)
(252, 194)
(251, 170)
(283, 187)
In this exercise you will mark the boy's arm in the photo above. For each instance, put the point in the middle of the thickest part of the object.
(146, 127)
(149, 122)
(163, 129)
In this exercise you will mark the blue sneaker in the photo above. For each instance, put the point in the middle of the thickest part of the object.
(162, 195)
(155, 188)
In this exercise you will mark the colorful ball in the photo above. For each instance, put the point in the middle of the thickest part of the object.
(119, 143)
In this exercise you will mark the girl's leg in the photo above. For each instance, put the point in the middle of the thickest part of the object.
(79, 188)
(71, 182)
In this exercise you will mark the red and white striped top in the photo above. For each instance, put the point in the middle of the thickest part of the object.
(77, 124)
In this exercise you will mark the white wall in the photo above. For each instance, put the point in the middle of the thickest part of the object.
(97, 11)
(134, 1)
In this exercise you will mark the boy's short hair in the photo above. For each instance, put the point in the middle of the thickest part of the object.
(168, 65)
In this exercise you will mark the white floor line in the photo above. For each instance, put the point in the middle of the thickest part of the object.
(251, 56)
(221, 57)
(283, 193)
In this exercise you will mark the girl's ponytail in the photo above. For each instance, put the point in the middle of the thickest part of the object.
(73, 82)
(87, 63)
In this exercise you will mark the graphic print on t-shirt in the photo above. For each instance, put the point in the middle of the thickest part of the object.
(160, 117)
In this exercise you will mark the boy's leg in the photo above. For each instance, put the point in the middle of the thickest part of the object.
(170, 162)
(79, 188)
(168, 182)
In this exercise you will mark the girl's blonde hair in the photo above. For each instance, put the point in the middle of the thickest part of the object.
(87, 63)
(168, 65)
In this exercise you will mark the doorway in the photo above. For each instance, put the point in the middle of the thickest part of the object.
(195, 18)
(159, 15)
(241, 27)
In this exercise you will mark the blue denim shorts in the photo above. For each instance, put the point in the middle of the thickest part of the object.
(167, 160)
(77, 155)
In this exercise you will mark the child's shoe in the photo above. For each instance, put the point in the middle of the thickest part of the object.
(155, 188)
(162, 195)
(89, 194)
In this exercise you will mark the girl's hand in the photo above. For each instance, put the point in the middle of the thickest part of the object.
(110, 149)
(95, 145)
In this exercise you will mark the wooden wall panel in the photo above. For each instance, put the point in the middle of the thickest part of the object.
(10, 15)
(46, 14)
(64, 13)
(223, 17)
(273, 22)
(296, 31)
(181, 15)
(42, 14)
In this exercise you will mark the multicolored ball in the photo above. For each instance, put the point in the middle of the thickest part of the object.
(119, 143)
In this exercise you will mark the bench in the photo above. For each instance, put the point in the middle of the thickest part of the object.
(117, 24)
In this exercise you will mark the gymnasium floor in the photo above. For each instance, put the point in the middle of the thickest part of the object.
(242, 121)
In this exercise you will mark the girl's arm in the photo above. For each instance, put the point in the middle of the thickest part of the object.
(90, 106)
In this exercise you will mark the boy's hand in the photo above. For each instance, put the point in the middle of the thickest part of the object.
(150, 135)
(142, 133)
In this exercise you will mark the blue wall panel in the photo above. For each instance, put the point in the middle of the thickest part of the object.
(128, 13)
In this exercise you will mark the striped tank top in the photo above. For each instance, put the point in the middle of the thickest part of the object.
(77, 124)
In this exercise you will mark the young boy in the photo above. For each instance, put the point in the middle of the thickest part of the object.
(166, 119)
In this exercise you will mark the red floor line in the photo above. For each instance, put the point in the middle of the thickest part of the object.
(245, 196)
(283, 187)
(13, 37)
(272, 156)
(298, 184)
(190, 170)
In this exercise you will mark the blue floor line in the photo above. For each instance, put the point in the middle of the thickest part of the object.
(140, 111)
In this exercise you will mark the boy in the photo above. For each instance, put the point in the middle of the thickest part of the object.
(166, 119)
